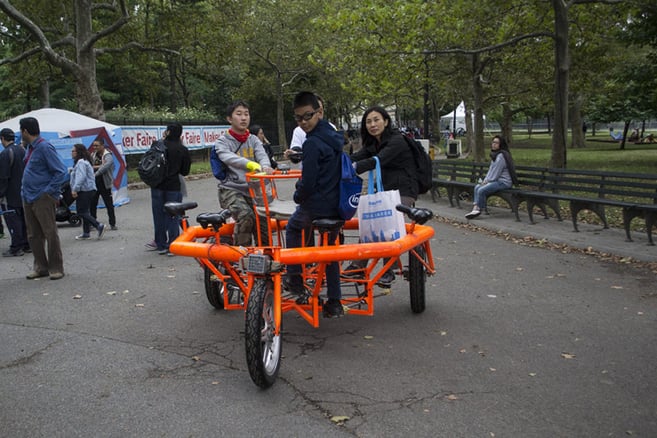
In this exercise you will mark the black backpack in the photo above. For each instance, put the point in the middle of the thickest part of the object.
(422, 160)
(152, 167)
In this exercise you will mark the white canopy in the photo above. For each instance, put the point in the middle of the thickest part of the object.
(60, 121)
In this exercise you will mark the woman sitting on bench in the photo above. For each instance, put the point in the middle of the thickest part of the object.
(501, 175)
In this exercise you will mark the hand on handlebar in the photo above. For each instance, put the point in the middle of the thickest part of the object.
(417, 215)
(252, 166)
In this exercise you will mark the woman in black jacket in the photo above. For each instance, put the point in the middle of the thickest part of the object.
(380, 139)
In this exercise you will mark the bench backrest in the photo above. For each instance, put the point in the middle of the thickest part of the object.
(629, 187)
(624, 186)
(463, 171)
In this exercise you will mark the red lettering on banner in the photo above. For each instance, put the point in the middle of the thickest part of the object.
(210, 137)
(145, 139)
(191, 138)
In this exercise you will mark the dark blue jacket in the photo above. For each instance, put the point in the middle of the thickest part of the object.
(318, 190)
(11, 174)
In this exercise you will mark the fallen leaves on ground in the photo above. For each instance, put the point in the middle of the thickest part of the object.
(542, 243)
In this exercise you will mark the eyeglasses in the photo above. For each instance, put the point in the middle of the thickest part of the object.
(305, 117)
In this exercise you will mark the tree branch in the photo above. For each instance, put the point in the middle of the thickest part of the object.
(68, 40)
(56, 59)
(120, 22)
(135, 45)
(492, 48)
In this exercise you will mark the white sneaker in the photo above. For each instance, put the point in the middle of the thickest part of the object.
(473, 214)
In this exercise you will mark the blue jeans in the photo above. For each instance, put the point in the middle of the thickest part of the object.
(481, 192)
(302, 220)
(166, 227)
(82, 206)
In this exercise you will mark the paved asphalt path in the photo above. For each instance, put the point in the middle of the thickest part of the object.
(516, 341)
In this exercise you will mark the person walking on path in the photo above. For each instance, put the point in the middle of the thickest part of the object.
(83, 190)
(11, 179)
(179, 162)
(43, 177)
(102, 161)
(501, 175)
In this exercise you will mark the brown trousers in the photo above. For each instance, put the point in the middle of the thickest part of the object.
(41, 232)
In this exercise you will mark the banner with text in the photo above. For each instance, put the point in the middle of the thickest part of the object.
(138, 139)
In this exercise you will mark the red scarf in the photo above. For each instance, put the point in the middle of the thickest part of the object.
(242, 138)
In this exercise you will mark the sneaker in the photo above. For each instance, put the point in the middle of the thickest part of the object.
(34, 275)
(386, 279)
(162, 251)
(332, 308)
(113, 227)
(101, 231)
(152, 246)
(56, 275)
(9, 253)
(27, 250)
(170, 254)
(473, 214)
(294, 285)
(83, 237)
(353, 270)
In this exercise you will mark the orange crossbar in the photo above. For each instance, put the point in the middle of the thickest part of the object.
(186, 245)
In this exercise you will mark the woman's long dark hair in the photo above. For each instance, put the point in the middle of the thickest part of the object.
(81, 152)
(366, 137)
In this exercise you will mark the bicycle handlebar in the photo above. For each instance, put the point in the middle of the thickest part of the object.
(417, 215)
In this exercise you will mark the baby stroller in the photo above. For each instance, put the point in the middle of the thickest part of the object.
(63, 213)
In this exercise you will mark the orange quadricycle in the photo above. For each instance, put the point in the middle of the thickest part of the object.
(250, 278)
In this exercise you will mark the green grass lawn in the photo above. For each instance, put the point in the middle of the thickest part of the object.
(599, 154)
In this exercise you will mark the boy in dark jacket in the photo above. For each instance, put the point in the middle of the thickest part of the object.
(317, 193)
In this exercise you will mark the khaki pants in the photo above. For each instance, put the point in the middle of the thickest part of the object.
(41, 231)
(241, 207)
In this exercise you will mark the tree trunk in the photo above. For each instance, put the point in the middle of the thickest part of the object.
(561, 70)
(478, 95)
(86, 90)
(173, 106)
(626, 129)
(576, 126)
(280, 112)
(507, 120)
(469, 130)
(45, 93)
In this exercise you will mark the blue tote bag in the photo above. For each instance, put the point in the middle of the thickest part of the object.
(350, 187)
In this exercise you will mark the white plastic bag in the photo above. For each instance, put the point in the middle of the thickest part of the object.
(378, 219)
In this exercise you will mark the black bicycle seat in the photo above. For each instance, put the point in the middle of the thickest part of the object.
(215, 220)
(328, 224)
(179, 208)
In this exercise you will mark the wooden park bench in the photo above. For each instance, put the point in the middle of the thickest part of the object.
(634, 194)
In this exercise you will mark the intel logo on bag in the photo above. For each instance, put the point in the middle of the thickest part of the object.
(353, 200)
